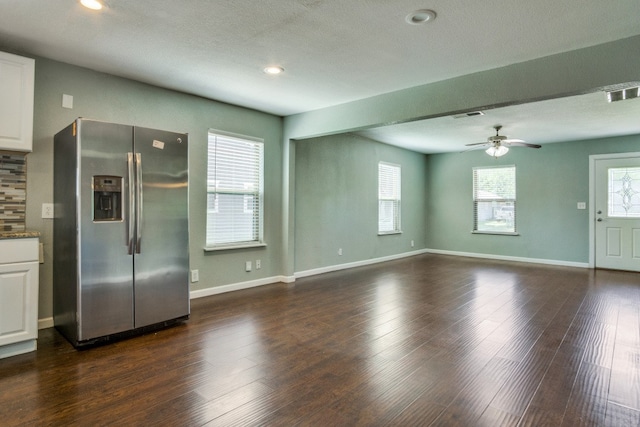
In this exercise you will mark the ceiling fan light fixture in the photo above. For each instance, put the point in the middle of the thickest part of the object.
(498, 151)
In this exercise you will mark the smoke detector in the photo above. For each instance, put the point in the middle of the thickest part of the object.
(420, 16)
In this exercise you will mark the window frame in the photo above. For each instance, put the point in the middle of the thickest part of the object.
(512, 201)
(216, 190)
(397, 207)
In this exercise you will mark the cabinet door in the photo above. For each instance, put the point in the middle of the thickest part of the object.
(16, 103)
(18, 302)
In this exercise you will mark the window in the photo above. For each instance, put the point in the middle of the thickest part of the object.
(494, 200)
(234, 191)
(388, 198)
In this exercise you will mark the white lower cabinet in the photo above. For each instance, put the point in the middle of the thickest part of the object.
(18, 296)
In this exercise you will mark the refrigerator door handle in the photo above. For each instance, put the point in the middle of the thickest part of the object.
(131, 219)
(138, 202)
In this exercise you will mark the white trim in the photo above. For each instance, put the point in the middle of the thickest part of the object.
(17, 348)
(201, 293)
(234, 246)
(389, 233)
(592, 197)
(348, 265)
(496, 233)
(511, 258)
(45, 323)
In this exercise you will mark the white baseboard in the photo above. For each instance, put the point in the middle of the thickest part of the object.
(200, 293)
(345, 266)
(510, 258)
(45, 323)
(48, 322)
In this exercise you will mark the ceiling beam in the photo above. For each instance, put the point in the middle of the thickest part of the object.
(570, 73)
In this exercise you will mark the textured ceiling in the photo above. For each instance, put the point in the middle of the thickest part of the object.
(564, 119)
(333, 51)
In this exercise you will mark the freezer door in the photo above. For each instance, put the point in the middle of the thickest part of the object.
(161, 261)
(106, 269)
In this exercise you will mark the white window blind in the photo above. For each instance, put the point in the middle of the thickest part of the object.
(388, 198)
(494, 199)
(234, 191)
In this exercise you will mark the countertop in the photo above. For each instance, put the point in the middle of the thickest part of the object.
(19, 234)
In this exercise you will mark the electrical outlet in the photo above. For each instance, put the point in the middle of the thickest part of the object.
(247, 266)
(412, 244)
(258, 264)
(47, 210)
(195, 276)
(340, 251)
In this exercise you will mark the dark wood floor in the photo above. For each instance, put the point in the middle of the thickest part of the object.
(427, 340)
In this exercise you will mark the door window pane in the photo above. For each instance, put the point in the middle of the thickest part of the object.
(624, 192)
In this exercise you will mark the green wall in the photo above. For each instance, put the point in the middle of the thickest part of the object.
(549, 184)
(568, 73)
(336, 201)
(108, 98)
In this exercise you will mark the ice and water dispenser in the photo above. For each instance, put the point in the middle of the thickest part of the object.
(107, 198)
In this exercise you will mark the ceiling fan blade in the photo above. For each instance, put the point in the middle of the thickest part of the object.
(478, 143)
(523, 144)
(477, 147)
(510, 140)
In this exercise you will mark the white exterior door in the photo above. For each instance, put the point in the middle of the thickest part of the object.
(617, 213)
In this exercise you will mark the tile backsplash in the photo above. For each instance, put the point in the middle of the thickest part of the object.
(13, 191)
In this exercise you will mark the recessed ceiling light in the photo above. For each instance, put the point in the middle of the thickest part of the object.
(273, 69)
(420, 16)
(91, 4)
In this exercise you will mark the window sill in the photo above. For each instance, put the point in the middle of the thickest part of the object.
(232, 247)
(496, 233)
(388, 233)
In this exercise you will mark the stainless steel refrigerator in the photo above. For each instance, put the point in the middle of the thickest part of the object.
(120, 237)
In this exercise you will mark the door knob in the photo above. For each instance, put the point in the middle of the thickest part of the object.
(599, 220)
(599, 212)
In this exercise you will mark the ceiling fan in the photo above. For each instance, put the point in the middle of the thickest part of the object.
(499, 144)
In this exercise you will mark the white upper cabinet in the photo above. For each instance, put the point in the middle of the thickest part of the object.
(16, 102)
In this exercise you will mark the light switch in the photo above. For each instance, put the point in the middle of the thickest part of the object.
(67, 101)
(582, 205)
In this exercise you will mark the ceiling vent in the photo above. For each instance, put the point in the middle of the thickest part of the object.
(468, 114)
(622, 94)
